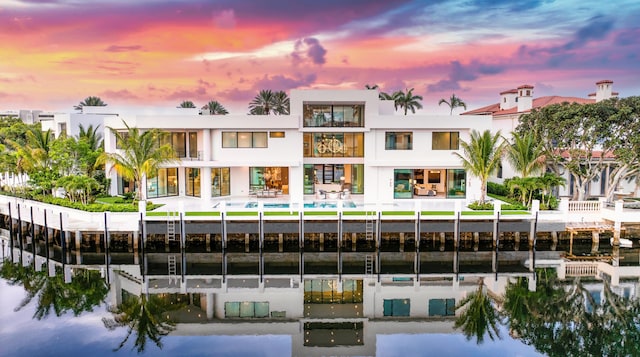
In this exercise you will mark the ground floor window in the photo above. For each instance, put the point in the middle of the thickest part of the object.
(164, 184)
(349, 176)
(396, 307)
(193, 181)
(246, 309)
(125, 186)
(442, 307)
(456, 183)
(269, 178)
(409, 183)
(220, 181)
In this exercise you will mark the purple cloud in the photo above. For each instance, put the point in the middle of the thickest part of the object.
(280, 82)
(308, 48)
(225, 19)
(597, 29)
(459, 72)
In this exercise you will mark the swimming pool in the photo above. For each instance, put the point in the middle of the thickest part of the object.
(315, 204)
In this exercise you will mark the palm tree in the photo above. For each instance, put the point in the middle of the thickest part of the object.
(394, 96)
(187, 104)
(525, 153)
(90, 101)
(215, 108)
(91, 135)
(479, 315)
(371, 87)
(263, 103)
(144, 315)
(281, 103)
(406, 100)
(453, 102)
(482, 156)
(140, 156)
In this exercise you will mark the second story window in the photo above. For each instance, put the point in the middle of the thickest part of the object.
(445, 140)
(244, 139)
(178, 141)
(327, 115)
(398, 140)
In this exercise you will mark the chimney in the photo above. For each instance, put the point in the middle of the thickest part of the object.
(604, 90)
(508, 99)
(525, 98)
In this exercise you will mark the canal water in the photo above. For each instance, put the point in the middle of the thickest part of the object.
(141, 304)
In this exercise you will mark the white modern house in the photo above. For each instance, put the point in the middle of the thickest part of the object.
(334, 144)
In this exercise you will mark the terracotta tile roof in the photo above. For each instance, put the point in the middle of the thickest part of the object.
(515, 91)
(526, 86)
(594, 154)
(537, 103)
(604, 81)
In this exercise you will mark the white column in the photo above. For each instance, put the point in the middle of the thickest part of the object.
(209, 306)
(206, 145)
(205, 183)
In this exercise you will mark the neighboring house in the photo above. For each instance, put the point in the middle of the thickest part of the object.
(27, 116)
(516, 102)
(333, 140)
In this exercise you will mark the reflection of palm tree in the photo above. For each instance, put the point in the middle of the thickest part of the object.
(479, 315)
(146, 316)
(85, 291)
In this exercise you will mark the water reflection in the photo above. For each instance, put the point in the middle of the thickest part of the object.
(328, 314)
(145, 317)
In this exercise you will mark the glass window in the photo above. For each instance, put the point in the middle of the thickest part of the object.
(456, 183)
(276, 134)
(220, 182)
(333, 144)
(124, 135)
(193, 182)
(179, 144)
(442, 307)
(246, 309)
(193, 145)
(325, 291)
(163, 184)
(398, 141)
(445, 140)
(345, 115)
(402, 187)
(259, 140)
(245, 140)
(229, 139)
(396, 307)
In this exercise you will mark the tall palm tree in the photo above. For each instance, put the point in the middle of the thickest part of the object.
(406, 100)
(453, 102)
(91, 135)
(187, 104)
(140, 155)
(90, 101)
(482, 156)
(393, 96)
(479, 316)
(525, 153)
(215, 108)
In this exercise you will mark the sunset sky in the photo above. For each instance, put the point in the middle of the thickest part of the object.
(54, 53)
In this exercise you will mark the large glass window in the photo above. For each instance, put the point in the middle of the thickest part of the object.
(396, 307)
(333, 144)
(398, 141)
(165, 183)
(344, 115)
(456, 183)
(125, 186)
(246, 309)
(178, 141)
(323, 291)
(442, 307)
(402, 183)
(448, 140)
(193, 145)
(244, 139)
(353, 175)
(220, 181)
(193, 182)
